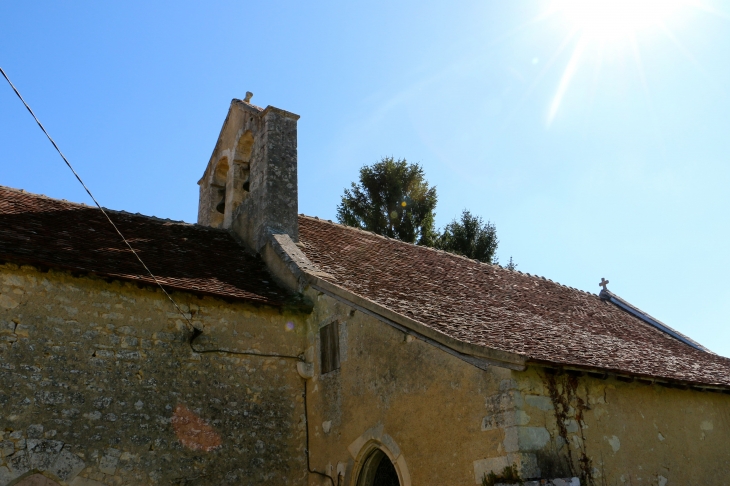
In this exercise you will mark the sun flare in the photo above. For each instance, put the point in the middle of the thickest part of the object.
(607, 19)
(601, 25)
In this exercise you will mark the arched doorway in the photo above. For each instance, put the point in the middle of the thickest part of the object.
(378, 471)
(36, 480)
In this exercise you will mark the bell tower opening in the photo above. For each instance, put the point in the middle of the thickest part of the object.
(238, 184)
(250, 183)
(218, 192)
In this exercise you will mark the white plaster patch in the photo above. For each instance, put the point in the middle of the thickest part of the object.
(614, 442)
(660, 437)
(572, 426)
(327, 426)
(706, 425)
(521, 418)
(661, 481)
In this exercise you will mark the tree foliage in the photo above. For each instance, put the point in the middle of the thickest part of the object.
(470, 236)
(392, 199)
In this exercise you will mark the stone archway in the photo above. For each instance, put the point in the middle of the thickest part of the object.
(378, 471)
(378, 460)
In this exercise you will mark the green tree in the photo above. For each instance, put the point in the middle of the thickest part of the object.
(392, 199)
(470, 236)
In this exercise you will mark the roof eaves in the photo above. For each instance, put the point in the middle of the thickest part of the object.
(628, 376)
(139, 281)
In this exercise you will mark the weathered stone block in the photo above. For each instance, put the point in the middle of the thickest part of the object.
(7, 326)
(19, 463)
(49, 397)
(34, 431)
(6, 448)
(109, 462)
(67, 466)
(6, 476)
(521, 439)
(42, 453)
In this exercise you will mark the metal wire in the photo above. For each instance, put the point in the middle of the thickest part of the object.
(95, 201)
(196, 332)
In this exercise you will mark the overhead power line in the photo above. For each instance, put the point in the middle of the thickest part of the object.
(196, 332)
(78, 178)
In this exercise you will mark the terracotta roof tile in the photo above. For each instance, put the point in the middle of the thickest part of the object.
(494, 307)
(39, 230)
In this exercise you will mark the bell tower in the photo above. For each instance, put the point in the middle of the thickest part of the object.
(250, 183)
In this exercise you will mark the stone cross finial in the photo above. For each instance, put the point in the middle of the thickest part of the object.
(248, 97)
(604, 283)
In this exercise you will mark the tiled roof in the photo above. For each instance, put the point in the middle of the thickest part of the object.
(491, 306)
(43, 231)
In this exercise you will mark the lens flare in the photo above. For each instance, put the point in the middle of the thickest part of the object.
(598, 26)
(609, 19)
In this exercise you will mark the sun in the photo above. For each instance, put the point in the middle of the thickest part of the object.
(604, 20)
(596, 26)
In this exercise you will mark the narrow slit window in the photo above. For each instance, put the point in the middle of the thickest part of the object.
(329, 342)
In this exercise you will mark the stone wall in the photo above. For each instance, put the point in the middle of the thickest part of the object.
(423, 406)
(608, 431)
(98, 385)
(444, 421)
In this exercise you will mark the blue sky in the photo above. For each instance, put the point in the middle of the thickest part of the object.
(595, 155)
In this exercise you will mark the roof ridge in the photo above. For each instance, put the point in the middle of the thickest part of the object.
(354, 228)
(109, 210)
(42, 196)
(627, 306)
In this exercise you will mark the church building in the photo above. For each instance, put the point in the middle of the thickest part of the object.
(290, 350)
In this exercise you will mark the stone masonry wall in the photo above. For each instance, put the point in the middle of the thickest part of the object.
(98, 385)
(612, 432)
(425, 407)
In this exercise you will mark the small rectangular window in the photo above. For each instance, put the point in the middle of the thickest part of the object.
(329, 343)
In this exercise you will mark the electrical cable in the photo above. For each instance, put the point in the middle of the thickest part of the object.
(306, 428)
(195, 331)
(94, 199)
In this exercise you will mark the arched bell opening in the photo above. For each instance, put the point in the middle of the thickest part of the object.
(238, 184)
(218, 192)
(242, 159)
